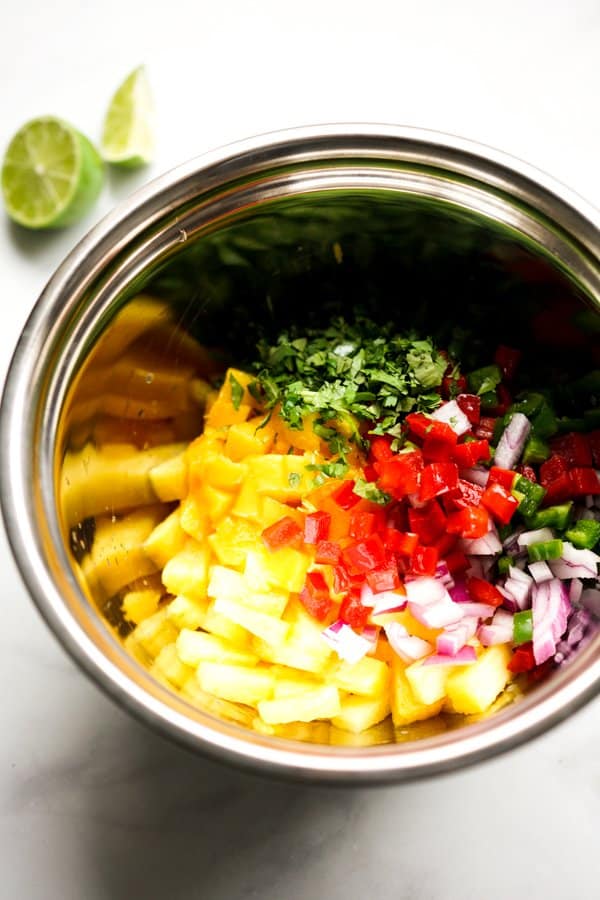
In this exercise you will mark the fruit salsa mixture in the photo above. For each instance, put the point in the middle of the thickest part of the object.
(362, 529)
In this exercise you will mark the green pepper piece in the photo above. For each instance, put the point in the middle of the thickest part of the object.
(484, 380)
(522, 627)
(528, 404)
(504, 564)
(536, 450)
(489, 400)
(543, 550)
(551, 517)
(568, 423)
(584, 534)
(504, 531)
(588, 384)
(591, 418)
(544, 422)
(529, 495)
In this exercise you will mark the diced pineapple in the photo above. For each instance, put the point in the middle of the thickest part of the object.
(236, 683)
(232, 539)
(138, 605)
(382, 733)
(295, 654)
(168, 665)
(186, 613)
(405, 707)
(417, 731)
(312, 732)
(193, 518)
(272, 511)
(131, 645)
(117, 556)
(166, 540)
(360, 713)
(193, 647)
(472, 689)
(187, 572)
(215, 502)
(368, 677)
(292, 685)
(169, 479)
(249, 438)
(248, 504)
(428, 683)
(155, 633)
(223, 709)
(222, 626)
(320, 703)
(270, 629)
(230, 585)
(285, 568)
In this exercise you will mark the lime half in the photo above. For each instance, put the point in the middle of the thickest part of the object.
(127, 135)
(51, 174)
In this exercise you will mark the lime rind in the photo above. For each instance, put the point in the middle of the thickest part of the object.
(127, 134)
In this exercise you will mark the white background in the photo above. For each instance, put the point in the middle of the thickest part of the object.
(94, 806)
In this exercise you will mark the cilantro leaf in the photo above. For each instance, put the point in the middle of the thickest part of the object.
(369, 491)
(237, 392)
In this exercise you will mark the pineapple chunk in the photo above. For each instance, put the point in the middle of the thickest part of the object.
(193, 647)
(368, 677)
(320, 703)
(169, 479)
(472, 689)
(193, 518)
(221, 472)
(223, 627)
(236, 683)
(248, 504)
(138, 652)
(117, 556)
(215, 501)
(272, 511)
(168, 665)
(249, 438)
(223, 709)
(360, 713)
(232, 539)
(186, 613)
(166, 540)
(155, 633)
(295, 654)
(228, 584)
(405, 707)
(138, 605)
(428, 683)
(312, 732)
(270, 629)
(285, 568)
(382, 733)
(292, 685)
(187, 572)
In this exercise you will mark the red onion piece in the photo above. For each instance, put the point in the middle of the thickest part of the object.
(551, 609)
(479, 610)
(590, 600)
(519, 591)
(349, 646)
(512, 442)
(388, 602)
(459, 593)
(519, 575)
(451, 414)
(424, 591)
(437, 615)
(476, 475)
(489, 545)
(534, 537)
(465, 656)
(575, 591)
(407, 646)
(540, 571)
(575, 563)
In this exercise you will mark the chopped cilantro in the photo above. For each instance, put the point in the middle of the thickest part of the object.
(331, 470)
(369, 491)
(237, 392)
(294, 479)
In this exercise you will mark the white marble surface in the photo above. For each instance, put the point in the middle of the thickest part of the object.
(94, 806)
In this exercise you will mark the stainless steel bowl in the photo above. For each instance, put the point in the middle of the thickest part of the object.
(355, 180)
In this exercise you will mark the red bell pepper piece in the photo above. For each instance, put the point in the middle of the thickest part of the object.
(362, 524)
(453, 386)
(363, 556)
(472, 522)
(505, 477)
(504, 400)
(457, 562)
(465, 494)
(507, 359)
(370, 473)
(574, 448)
(436, 450)
(428, 523)
(499, 502)
(283, 533)
(481, 591)
(444, 544)
(584, 481)
(528, 473)
(315, 596)
(485, 429)
(384, 579)
(558, 490)
(424, 561)
(400, 475)
(401, 542)
(344, 495)
(352, 611)
(423, 426)
(594, 439)
(341, 579)
(438, 478)
(328, 553)
(470, 453)
(552, 469)
(316, 527)
(380, 448)
(522, 659)
(470, 404)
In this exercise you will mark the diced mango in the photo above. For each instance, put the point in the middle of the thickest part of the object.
(195, 646)
(117, 556)
(155, 633)
(227, 409)
(304, 438)
(405, 707)
(268, 628)
(193, 518)
(320, 703)
(249, 438)
(285, 568)
(166, 540)
(187, 613)
(222, 472)
(169, 665)
(472, 689)
(369, 677)
(359, 713)
(248, 503)
(169, 479)
(223, 709)
(215, 502)
(272, 511)
(232, 539)
(138, 605)
(236, 683)
(283, 477)
(187, 572)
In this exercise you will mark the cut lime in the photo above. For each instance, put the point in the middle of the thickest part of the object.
(51, 174)
(127, 135)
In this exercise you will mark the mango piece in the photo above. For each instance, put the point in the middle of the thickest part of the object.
(249, 438)
(272, 511)
(285, 569)
(472, 689)
(405, 707)
(227, 409)
(169, 479)
(138, 652)
(283, 477)
(117, 556)
(195, 646)
(186, 613)
(236, 683)
(269, 628)
(248, 504)
(166, 540)
(414, 627)
(222, 709)
(320, 703)
(138, 605)
(193, 518)
(304, 438)
(169, 666)
(360, 713)
(155, 633)
(187, 572)
(312, 732)
(232, 539)
(369, 677)
(215, 502)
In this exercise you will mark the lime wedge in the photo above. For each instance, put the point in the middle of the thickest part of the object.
(51, 174)
(127, 135)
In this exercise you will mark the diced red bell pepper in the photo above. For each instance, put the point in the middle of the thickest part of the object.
(316, 527)
(436, 450)
(370, 473)
(352, 611)
(465, 494)
(499, 502)
(428, 523)
(423, 426)
(552, 469)
(504, 400)
(328, 553)
(457, 562)
(424, 561)
(362, 524)
(485, 429)
(437, 478)
(344, 495)
(445, 543)
(399, 476)
(380, 448)
(315, 596)
(528, 473)
(584, 481)
(470, 404)
(558, 490)
(341, 579)
(384, 579)
(481, 591)
(507, 359)
(522, 659)
(470, 453)
(453, 386)
(594, 439)
(366, 555)
(472, 522)
(505, 477)
(284, 533)
(574, 448)
(401, 542)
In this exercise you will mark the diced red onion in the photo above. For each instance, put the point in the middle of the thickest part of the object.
(479, 610)
(442, 573)
(488, 545)
(449, 642)
(589, 514)
(424, 591)
(590, 600)
(476, 475)
(512, 442)
(371, 633)
(407, 646)
(349, 646)
(509, 601)
(511, 542)
(452, 415)
(534, 537)
(499, 631)
(551, 609)
(518, 575)
(388, 602)
(541, 571)
(437, 615)
(459, 592)
(520, 591)
(367, 597)
(575, 591)
(465, 656)
(575, 563)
